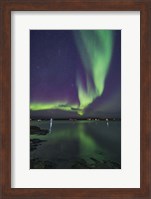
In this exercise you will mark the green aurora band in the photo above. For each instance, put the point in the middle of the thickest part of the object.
(95, 48)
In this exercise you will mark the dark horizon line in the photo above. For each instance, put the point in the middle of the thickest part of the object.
(89, 118)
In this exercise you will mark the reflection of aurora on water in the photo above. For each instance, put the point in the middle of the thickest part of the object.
(95, 48)
(90, 144)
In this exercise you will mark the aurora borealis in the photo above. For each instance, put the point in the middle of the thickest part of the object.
(75, 73)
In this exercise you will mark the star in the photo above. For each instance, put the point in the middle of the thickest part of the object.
(37, 67)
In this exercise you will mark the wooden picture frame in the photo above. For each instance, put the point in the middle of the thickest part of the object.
(6, 6)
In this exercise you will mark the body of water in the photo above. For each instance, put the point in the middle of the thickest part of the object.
(75, 144)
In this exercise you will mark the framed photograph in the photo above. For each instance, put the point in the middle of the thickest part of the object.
(75, 99)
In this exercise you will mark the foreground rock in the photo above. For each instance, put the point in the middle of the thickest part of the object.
(34, 143)
(38, 131)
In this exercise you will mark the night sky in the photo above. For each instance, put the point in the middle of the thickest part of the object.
(75, 73)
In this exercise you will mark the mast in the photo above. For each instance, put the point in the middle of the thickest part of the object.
(50, 126)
